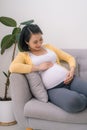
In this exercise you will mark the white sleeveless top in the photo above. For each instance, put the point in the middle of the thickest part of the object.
(52, 76)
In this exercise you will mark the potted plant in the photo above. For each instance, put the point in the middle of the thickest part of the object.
(6, 42)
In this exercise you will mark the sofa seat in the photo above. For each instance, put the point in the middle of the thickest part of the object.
(36, 109)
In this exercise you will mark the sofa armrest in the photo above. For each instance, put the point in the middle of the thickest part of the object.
(20, 94)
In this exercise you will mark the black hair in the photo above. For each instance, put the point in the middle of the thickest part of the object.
(26, 33)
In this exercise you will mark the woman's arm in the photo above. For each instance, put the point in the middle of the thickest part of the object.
(23, 64)
(19, 64)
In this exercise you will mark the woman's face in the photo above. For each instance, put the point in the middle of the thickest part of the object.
(35, 42)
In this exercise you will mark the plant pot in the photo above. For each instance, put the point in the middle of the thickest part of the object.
(6, 113)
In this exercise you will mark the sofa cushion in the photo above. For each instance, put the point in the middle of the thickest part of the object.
(48, 111)
(37, 88)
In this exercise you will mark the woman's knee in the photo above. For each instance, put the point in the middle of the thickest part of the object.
(69, 101)
(77, 103)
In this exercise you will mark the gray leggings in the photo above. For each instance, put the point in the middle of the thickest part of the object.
(71, 98)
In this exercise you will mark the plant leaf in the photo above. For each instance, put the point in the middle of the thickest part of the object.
(16, 30)
(8, 21)
(16, 33)
(5, 74)
(27, 22)
(7, 42)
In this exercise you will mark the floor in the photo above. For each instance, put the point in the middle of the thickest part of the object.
(71, 127)
(12, 127)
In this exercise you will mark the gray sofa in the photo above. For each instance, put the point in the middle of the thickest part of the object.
(46, 116)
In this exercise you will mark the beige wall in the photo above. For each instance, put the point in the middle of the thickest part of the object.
(64, 22)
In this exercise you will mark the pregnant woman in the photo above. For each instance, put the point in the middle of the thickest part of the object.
(64, 89)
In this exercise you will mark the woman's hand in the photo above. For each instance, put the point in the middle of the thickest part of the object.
(45, 66)
(70, 76)
(42, 67)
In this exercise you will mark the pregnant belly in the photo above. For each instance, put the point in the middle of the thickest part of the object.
(53, 76)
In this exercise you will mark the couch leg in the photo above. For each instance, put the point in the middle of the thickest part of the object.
(29, 129)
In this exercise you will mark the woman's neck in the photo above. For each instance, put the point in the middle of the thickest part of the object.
(39, 52)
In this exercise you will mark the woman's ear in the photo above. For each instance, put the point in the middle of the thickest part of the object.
(26, 42)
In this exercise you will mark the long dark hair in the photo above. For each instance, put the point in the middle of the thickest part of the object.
(26, 33)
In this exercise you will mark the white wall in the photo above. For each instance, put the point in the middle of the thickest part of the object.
(64, 22)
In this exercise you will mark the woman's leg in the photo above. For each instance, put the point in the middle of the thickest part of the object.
(79, 86)
(68, 100)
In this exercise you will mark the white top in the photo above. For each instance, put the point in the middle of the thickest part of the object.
(54, 75)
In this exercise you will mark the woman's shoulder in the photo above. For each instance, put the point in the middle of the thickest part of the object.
(23, 53)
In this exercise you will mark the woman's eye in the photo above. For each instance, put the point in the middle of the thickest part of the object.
(35, 42)
(41, 39)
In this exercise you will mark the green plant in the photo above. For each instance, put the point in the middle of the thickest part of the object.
(11, 40)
